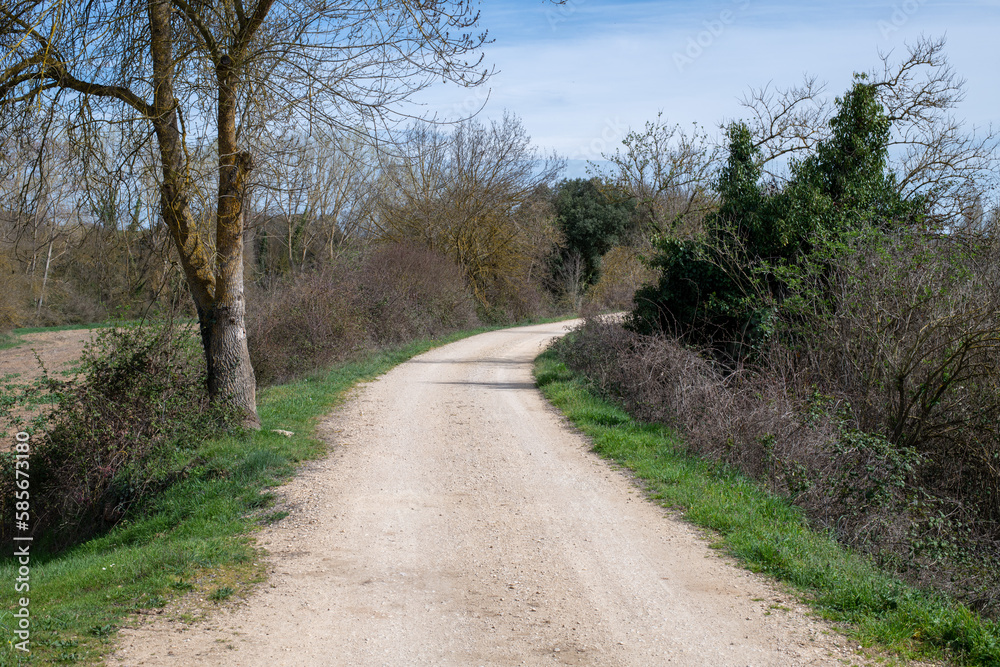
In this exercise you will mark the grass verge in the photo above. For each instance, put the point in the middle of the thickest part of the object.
(767, 534)
(195, 537)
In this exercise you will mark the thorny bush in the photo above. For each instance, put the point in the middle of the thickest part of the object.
(118, 432)
(908, 327)
(897, 501)
(384, 295)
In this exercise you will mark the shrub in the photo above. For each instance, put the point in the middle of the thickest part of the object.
(725, 414)
(410, 292)
(14, 294)
(303, 324)
(720, 291)
(623, 273)
(924, 510)
(907, 329)
(514, 298)
(904, 331)
(120, 431)
(382, 296)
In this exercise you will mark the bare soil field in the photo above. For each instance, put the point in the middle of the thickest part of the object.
(57, 350)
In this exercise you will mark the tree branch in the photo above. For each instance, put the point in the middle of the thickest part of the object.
(206, 34)
(250, 27)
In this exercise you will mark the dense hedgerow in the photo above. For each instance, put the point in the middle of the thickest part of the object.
(822, 336)
(817, 423)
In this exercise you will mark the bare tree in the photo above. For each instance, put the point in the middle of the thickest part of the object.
(170, 70)
(39, 190)
(668, 171)
(312, 196)
(938, 159)
(786, 121)
(462, 194)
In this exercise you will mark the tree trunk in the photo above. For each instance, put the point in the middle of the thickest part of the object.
(218, 293)
(231, 377)
(45, 280)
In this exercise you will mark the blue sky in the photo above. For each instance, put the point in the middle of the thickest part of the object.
(580, 74)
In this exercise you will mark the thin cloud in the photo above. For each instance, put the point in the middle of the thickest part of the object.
(579, 73)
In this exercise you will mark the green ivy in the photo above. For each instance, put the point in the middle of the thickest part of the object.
(722, 291)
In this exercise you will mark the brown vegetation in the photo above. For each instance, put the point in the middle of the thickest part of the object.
(383, 296)
(879, 417)
(468, 196)
(623, 271)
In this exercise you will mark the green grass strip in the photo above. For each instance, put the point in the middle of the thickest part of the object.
(767, 534)
(196, 535)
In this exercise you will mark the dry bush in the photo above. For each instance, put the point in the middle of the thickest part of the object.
(410, 292)
(738, 417)
(515, 298)
(382, 296)
(622, 273)
(303, 324)
(73, 306)
(14, 295)
(910, 336)
(774, 425)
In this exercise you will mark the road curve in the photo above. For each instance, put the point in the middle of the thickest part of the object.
(459, 521)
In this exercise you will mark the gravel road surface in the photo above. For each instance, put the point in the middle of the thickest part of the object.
(458, 520)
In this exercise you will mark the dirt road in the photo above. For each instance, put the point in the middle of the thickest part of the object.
(459, 521)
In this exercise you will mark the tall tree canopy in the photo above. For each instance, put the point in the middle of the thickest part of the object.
(719, 290)
(161, 75)
(593, 217)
